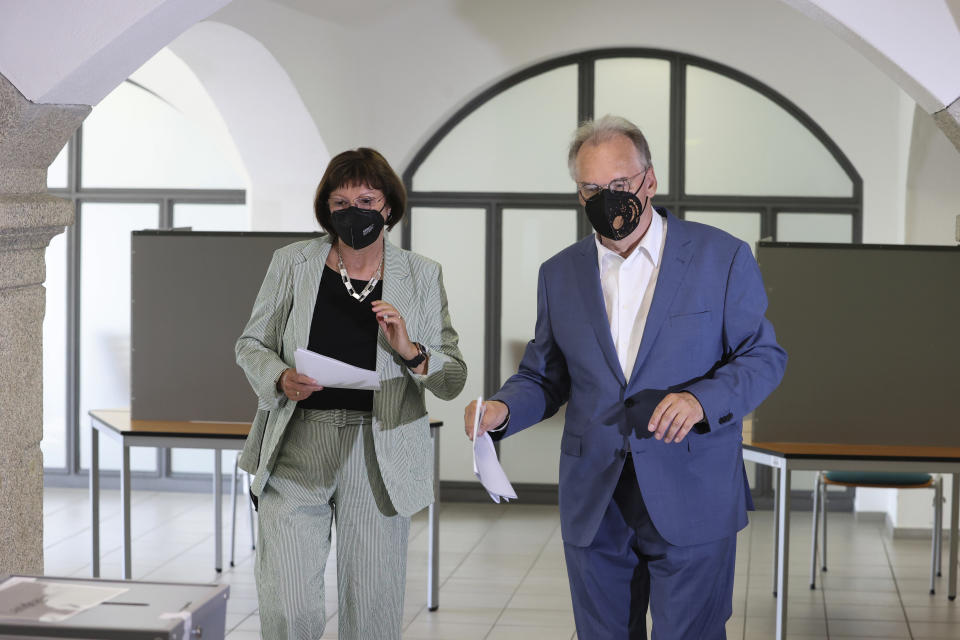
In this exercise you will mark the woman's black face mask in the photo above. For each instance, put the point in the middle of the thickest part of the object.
(358, 228)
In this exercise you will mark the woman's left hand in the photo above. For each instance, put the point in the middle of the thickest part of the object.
(394, 329)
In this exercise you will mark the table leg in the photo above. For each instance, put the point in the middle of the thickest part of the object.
(954, 513)
(433, 552)
(776, 524)
(125, 512)
(95, 501)
(939, 524)
(783, 552)
(813, 533)
(233, 513)
(217, 510)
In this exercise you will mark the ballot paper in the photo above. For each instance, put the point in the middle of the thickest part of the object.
(486, 466)
(329, 372)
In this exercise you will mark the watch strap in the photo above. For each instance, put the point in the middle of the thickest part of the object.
(415, 361)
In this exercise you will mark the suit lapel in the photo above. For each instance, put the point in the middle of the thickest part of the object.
(676, 258)
(396, 278)
(398, 291)
(588, 280)
(306, 282)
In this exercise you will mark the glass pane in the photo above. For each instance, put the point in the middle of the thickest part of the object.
(530, 236)
(200, 461)
(57, 172)
(464, 278)
(54, 443)
(803, 480)
(639, 90)
(814, 227)
(395, 235)
(212, 217)
(740, 142)
(105, 321)
(743, 225)
(134, 139)
(515, 142)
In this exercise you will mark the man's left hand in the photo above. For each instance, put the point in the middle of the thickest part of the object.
(675, 416)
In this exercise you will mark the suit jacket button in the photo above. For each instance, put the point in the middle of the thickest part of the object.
(628, 403)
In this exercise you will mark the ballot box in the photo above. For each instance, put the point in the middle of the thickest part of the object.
(91, 609)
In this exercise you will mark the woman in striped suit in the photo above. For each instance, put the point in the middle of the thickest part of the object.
(361, 459)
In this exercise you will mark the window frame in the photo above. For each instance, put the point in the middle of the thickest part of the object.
(72, 474)
(673, 197)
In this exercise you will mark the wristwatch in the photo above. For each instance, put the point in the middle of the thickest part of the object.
(422, 353)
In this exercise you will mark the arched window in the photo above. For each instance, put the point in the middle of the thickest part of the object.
(137, 162)
(491, 196)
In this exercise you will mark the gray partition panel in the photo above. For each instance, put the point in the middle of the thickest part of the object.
(873, 337)
(191, 295)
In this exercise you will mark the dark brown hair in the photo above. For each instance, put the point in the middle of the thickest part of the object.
(360, 167)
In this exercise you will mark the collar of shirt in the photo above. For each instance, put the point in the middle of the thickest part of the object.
(648, 246)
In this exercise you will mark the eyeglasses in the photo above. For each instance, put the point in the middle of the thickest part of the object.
(338, 203)
(587, 189)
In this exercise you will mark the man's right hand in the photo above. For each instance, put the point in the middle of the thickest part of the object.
(494, 414)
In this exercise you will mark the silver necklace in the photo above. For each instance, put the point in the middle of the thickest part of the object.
(359, 297)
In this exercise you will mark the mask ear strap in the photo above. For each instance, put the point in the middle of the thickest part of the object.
(644, 207)
(389, 215)
(640, 186)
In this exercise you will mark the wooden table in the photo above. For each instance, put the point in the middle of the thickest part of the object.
(787, 457)
(117, 425)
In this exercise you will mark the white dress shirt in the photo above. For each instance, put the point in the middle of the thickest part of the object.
(628, 285)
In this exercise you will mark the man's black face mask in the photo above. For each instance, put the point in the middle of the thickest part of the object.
(615, 214)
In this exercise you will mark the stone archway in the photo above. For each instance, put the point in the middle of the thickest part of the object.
(31, 135)
(56, 61)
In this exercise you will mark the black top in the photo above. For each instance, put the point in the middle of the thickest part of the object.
(345, 329)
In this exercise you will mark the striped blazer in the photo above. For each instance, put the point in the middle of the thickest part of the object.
(280, 323)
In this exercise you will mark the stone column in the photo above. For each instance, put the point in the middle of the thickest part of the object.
(949, 122)
(31, 135)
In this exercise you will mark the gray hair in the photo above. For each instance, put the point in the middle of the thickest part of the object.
(601, 130)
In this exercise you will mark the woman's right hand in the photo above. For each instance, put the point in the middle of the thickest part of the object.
(297, 386)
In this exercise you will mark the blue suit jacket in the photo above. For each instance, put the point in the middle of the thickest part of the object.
(705, 333)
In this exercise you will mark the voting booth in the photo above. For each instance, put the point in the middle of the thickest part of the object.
(191, 296)
(91, 609)
(871, 332)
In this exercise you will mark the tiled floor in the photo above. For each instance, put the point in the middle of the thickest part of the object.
(502, 572)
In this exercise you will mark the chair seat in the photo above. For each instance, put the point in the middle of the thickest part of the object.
(885, 478)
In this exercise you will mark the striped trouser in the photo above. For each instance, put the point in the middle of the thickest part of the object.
(327, 471)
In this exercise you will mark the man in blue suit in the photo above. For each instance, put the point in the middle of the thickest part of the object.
(653, 333)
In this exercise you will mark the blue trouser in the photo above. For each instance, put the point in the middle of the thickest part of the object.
(629, 566)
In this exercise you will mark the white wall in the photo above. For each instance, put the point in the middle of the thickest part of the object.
(384, 75)
(914, 508)
(392, 80)
(166, 75)
(374, 74)
(874, 500)
(275, 135)
(902, 39)
(77, 52)
(933, 185)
